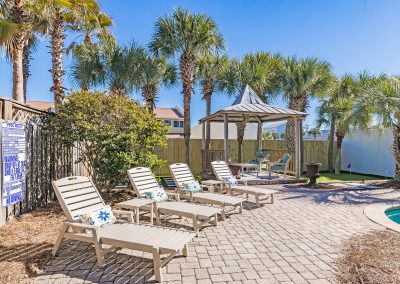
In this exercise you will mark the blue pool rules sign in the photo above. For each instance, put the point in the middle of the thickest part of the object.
(13, 147)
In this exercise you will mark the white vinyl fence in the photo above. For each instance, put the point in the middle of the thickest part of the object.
(369, 152)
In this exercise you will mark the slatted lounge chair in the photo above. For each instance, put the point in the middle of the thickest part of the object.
(182, 174)
(222, 170)
(280, 166)
(143, 180)
(78, 195)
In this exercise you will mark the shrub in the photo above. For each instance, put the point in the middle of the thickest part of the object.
(114, 133)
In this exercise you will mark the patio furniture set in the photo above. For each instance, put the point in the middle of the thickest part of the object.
(262, 159)
(79, 197)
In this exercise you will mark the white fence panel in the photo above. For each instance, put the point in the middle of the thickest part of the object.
(369, 152)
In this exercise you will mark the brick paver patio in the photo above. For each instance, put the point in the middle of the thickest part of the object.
(295, 240)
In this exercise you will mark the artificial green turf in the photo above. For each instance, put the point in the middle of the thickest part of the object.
(331, 177)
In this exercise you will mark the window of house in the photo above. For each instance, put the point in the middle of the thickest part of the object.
(176, 123)
(181, 124)
(168, 122)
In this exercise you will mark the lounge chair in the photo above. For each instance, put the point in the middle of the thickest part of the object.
(78, 195)
(182, 174)
(221, 171)
(143, 180)
(281, 166)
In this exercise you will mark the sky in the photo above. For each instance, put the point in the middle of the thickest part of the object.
(353, 35)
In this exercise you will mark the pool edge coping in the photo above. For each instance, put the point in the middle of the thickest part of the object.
(376, 213)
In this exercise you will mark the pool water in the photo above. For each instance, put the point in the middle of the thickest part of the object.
(393, 214)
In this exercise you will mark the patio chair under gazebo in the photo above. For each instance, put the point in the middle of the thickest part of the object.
(249, 107)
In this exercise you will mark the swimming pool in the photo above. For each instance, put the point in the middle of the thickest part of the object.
(393, 214)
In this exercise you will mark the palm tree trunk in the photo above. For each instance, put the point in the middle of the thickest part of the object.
(396, 146)
(26, 66)
(208, 90)
(149, 93)
(241, 127)
(17, 15)
(57, 49)
(187, 70)
(18, 73)
(331, 145)
(338, 163)
(298, 103)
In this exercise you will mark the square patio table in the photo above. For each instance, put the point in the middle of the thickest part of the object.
(245, 165)
(211, 184)
(139, 203)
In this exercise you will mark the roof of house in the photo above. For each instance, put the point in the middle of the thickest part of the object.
(248, 103)
(164, 112)
(40, 105)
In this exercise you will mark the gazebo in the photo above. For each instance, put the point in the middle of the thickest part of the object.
(250, 108)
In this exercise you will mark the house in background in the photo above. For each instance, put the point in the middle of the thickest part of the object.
(173, 117)
(275, 127)
(47, 106)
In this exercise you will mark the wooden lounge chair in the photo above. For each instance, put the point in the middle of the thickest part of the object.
(143, 180)
(182, 174)
(280, 166)
(78, 195)
(222, 170)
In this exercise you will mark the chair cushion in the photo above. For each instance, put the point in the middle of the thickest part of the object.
(285, 158)
(193, 186)
(230, 180)
(158, 194)
(277, 168)
(262, 155)
(98, 217)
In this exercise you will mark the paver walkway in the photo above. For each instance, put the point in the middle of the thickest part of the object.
(294, 240)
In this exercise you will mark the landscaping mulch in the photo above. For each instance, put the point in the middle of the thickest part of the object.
(371, 258)
(26, 243)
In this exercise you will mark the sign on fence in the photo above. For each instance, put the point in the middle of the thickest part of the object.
(13, 147)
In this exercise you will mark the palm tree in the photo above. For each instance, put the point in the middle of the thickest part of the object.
(20, 24)
(186, 36)
(107, 64)
(58, 13)
(379, 102)
(26, 60)
(16, 26)
(211, 68)
(262, 71)
(329, 111)
(301, 80)
(152, 73)
(314, 132)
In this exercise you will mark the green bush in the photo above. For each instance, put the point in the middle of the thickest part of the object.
(114, 134)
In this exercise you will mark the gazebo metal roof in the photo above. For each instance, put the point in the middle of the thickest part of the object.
(248, 103)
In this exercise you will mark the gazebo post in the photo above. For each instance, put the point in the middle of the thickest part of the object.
(226, 146)
(297, 147)
(203, 136)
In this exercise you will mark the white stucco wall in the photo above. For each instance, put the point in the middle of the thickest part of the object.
(217, 131)
(369, 152)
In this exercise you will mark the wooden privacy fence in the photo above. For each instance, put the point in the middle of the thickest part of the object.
(314, 151)
(45, 161)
